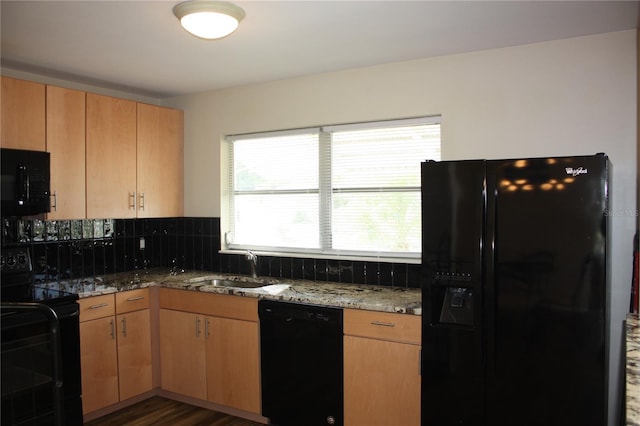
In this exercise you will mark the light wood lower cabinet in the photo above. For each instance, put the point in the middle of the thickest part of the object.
(209, 348)
(98, 352)
(99, 362)
(233, 364)
(134, 353)
(182, 353)
(115, 348)
(381, 369)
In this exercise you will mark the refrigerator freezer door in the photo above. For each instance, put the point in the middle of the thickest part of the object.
(546, 302)
(453, 209)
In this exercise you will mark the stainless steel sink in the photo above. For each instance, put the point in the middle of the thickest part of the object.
(230, 283)
(267, 285)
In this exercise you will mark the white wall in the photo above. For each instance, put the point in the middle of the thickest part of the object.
(566, 97)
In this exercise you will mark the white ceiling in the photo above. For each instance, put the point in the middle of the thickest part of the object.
(139, 46)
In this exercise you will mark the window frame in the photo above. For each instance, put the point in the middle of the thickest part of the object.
(325, 193)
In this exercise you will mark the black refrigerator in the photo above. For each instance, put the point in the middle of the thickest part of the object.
(514, 290)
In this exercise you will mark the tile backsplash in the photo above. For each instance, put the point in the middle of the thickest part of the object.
(69, 249)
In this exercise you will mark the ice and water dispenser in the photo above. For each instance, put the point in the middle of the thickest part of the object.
(452, 296)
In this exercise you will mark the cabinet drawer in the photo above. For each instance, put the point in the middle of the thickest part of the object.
(96, 307)
(383, 325)
(219, 305)
(133, 300)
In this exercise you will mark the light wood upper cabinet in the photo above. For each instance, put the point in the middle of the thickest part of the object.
(160, 156)
(111, 157)
(381, 369)
(66, 144)
(22, 125)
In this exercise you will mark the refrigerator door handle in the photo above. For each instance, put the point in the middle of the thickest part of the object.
(489, 260)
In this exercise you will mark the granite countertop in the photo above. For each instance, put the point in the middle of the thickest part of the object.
(632, 390)
(374, 298)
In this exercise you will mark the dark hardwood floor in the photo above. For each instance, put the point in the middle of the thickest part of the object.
(161, 411)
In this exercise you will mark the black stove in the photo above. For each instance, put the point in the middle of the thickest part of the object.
(51, 296)
(40, 347)
(18, 284)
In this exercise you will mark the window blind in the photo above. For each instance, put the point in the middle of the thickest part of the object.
(275, 190)
(338, 190)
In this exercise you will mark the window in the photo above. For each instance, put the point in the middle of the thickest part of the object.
(345, 190)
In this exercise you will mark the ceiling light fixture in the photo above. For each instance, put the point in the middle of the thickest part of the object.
(209, 19)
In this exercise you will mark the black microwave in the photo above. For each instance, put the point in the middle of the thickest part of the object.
(25, 186)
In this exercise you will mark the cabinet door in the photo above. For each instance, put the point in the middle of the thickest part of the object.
(66, 144)
(182, 353)
(382, 383)
(160, 161)
(99, 364)
(233, 363)
(134, 353)
(111, 157)
(23, 115)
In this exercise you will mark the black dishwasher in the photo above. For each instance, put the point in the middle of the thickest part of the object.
(302, 364)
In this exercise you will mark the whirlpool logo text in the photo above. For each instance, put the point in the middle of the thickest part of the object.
(576, 171)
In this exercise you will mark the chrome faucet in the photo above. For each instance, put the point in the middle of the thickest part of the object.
(253, 262)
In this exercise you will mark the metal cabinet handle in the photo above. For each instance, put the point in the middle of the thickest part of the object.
(141, 207)
(132, 204)
(54, 206)
(100, 305)
(197, 326)
(383, 324)
(124, 327)
(206, 328)
(113, 329)
(132, 299)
